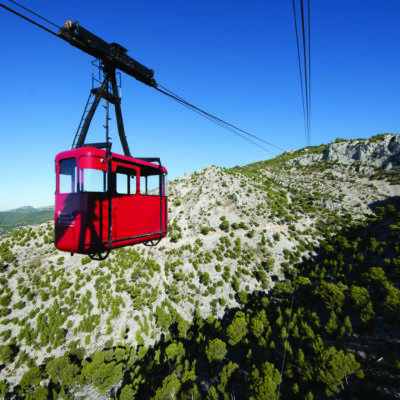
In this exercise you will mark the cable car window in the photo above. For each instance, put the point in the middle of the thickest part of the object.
(150, 185)
(122, 183)
(153, 185)
(93, 180)
(126, 181)
(67, 176)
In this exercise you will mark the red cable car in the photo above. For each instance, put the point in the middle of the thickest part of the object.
(106, 200)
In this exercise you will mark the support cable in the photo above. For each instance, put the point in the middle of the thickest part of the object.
(300, 69)
(28, 19)
(306, 114)
(213, 118)
(305, 72)
(309, 70)
(37, 15)
(304, 62)
(224, 124)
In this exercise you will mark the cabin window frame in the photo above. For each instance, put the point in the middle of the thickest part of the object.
(103, 181)
(129, 172)
(74, 178)
(82, 179)
(144, 185)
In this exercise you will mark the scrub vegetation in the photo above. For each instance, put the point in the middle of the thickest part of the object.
(278, 280)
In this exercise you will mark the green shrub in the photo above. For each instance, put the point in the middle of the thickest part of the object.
(204, 230)
(224, 226)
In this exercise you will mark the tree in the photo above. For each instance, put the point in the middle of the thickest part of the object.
(212, 394)
(333, 366)
(40, 393)
(127, 393)
(256, 327)
(360, 300)
(235, 284)
(3, 387)
(175, 351)
(333, 295)
(346, 328)
(303, 367)
(8, 353)
(5, 300)
(169, 389)
(237, 330)
(264, 383)
(55, 367)
(392, 304)
(333, 324)
(225, 376)
(205, 278)
(216, 350)
(61, 370)
(31, 378)
(100, 373)
(242, 295)
(224, 226)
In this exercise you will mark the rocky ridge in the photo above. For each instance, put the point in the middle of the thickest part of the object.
(381, 151)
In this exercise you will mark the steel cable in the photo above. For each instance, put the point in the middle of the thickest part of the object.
(37, 15)
(224, 124)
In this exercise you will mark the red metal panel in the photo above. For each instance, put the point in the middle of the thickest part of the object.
(68, 222)
(81, 222)
(94, 162)
(135, 215)
(82, 218)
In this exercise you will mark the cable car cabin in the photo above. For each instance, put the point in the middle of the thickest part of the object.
(105, 200)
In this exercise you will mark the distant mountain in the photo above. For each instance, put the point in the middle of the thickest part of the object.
(285, 270)
(24, 216)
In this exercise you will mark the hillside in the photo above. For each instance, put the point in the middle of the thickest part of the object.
(22, 217)
(206, 314)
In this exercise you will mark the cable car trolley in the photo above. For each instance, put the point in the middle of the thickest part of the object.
(106, 200)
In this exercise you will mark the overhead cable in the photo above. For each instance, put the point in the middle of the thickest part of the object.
(216, 122)
(305, 69)
(309, 69)
(215, 119)
(224, 124)
(37, 15)
(300, 69)
(28, 19)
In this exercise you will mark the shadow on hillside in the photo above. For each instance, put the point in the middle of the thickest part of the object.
(366, 342)
(246, 339)
(393, 201)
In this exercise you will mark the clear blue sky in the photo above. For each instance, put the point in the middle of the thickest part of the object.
(235, 59)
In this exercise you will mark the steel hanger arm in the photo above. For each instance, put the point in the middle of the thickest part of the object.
(112, 54)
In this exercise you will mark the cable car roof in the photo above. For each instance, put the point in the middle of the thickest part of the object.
(93, 151)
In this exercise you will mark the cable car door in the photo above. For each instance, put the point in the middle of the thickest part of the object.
(125, 202)
(136, 203)
(94, 203)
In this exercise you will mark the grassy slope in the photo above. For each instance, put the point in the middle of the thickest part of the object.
(24, 216)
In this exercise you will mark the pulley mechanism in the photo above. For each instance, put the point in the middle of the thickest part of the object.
(111, 56)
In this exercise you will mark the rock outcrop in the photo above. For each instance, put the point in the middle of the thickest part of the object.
(380, 151)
